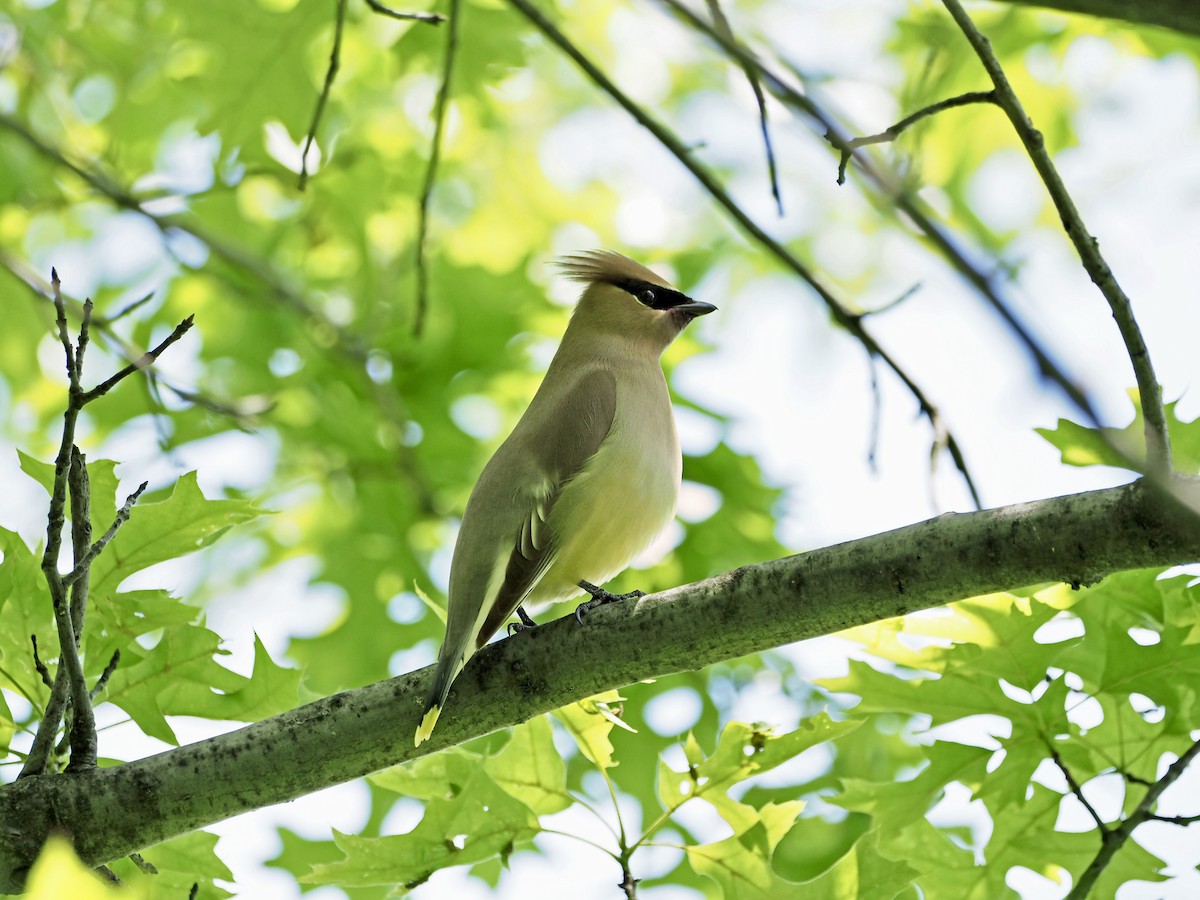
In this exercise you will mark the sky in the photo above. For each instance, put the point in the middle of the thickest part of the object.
(786, 380)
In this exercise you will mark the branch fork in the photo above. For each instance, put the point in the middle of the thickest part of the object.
(69, 593)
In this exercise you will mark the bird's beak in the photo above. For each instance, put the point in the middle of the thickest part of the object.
(694, 308)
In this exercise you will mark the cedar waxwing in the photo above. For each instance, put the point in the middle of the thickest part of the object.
(587, 479)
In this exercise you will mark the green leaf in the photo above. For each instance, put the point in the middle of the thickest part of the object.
(180, 863)
(180, 676)
(180, 524)
(902, 802)
(530, 768)
(58, 873)
(1082, 446)
(41, 472)
(741, 863)
(24, 610)
(590, 722)
(862, 872)
(473, 819)
(742, 752)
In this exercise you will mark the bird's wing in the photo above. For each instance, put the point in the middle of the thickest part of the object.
(568, 434)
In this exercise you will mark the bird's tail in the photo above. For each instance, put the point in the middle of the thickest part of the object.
(442, 679)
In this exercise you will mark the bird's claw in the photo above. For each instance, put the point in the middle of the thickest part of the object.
(600, 597)
(525, 624)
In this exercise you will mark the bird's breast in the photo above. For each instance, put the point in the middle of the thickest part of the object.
(625, 496)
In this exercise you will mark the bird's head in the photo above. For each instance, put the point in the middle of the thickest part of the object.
(626, 301)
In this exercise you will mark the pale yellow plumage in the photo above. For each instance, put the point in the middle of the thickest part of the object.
(590, 475)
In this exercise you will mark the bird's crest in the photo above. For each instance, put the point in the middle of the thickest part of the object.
(606, 267)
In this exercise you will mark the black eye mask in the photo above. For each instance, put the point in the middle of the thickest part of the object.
(653, 295)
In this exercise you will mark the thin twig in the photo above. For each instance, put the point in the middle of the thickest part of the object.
(721, 24)
(69, 594)
(70, 665)
(141, 863)
(323, 97)
(346, 343)
(121, 313)
(1113, 839)
(102, 681)
(435, 156)
(38, 760)
(244, 417)
(1075, 788)
(628, 883)
(876, 415)
(888, 184)
(84, 336)
(83, 722)
(232, 254)
(426, 17)
(91, 552)
(40, 666)
(1183, 821)
(1158, 442)
(890, 134)
(848, 319)
(147, 360)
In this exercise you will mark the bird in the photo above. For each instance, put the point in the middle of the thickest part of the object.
(589, 476)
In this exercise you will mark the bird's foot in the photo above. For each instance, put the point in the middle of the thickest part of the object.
(524, 625)
(599, 597)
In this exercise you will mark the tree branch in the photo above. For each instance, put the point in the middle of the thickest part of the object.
(388, 12)
(1076, 539)
(721, 24)
(1075, 787)
(1158, 444)
(1177, 15)
(146, 360)
(346, 343)
(68, 594)
(335, 58)
(890, 134)
(888, 184)
(848, 319)
(233, 255)
(435, 157)
(1113, 839)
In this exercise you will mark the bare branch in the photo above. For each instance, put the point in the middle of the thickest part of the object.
(233, 255)
(889, 185)
(721, 24)
(1178, 15)
(102, 681)
(1077, 538)
(890, 134)
(1075, 788)
(851, 321)
(146, 360)
(83, 723)
(89, 556)
(1183, 821)
(39, 665)
(435, 156)
(1158, 442)
(105, 321)
(427, 18)
(323, 97)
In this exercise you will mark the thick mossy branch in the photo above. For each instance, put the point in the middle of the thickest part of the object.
(1077, 539)
(1178, 15)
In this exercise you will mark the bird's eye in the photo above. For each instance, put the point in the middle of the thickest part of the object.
(646, 297)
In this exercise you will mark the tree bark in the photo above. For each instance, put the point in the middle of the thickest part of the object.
(1178, 15)
(1076, 539)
